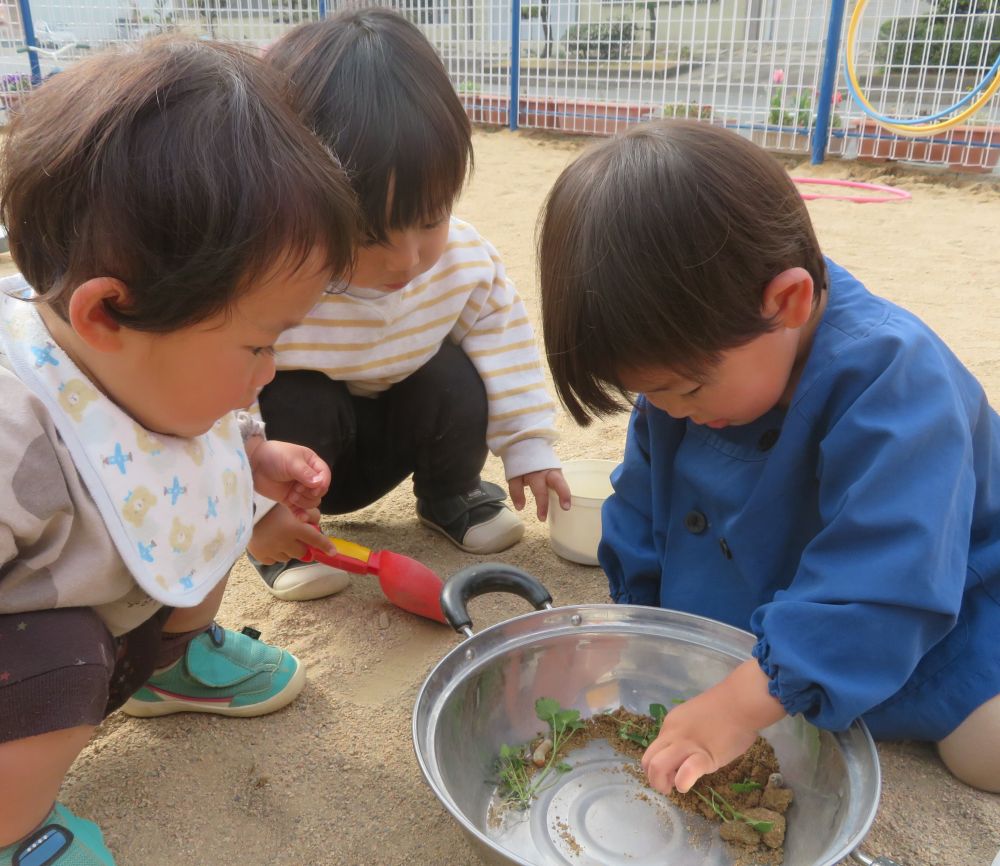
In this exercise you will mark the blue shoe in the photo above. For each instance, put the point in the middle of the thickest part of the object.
(225, 672)
(62, 840)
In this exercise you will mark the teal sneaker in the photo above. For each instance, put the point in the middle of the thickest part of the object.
(225, 672)
(62, 840)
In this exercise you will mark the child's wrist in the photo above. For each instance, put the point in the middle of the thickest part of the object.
(253, 447)
(752, 696)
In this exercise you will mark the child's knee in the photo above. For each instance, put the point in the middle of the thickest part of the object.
(57, 665)
(309, 408)
(451, 382)
(970, 751)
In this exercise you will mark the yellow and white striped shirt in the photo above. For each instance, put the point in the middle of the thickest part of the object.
(372, 342)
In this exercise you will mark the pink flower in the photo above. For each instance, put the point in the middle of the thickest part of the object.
(838, 97)
(778, 77)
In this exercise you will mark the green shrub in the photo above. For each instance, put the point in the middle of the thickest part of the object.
(961, 7)
(608, 41)
(972, 42)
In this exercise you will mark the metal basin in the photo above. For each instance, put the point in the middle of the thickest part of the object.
(595, 658)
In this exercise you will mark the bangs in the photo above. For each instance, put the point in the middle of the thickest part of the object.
(410, 162)
(592, 337)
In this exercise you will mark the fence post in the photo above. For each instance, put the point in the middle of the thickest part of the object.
(29, 39)
(514, 104)
(322, 9)
(828, 80)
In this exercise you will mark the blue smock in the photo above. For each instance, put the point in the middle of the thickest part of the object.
(856, 534)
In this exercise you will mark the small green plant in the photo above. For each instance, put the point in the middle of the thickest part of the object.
(745, 786)
(690, 109)
(727, 813)
(785, 111)
(795, 108)
(643, 733)
(524, 774)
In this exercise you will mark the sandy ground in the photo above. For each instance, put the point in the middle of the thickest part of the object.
(332, 779)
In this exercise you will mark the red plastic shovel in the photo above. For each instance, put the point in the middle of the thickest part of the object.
(408, 584)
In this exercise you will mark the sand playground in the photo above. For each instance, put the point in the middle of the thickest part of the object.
(332, 780)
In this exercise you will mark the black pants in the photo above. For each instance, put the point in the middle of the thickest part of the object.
(432, 424)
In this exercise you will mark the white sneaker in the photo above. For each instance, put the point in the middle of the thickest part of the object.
(302, 581)
(477, 521)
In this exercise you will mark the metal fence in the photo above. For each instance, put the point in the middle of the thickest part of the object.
(771, 69)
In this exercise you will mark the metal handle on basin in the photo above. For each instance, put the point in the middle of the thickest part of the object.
(476, 580)
(864, 859)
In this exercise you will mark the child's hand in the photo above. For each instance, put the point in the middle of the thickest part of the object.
(540, 482)
(280, 536)
(707, 732)
(291, 474)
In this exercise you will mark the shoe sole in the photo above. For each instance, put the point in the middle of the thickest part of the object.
(169, 706)
(505, 541)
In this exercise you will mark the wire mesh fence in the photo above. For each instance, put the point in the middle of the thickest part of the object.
(918, 60)
(773, 70)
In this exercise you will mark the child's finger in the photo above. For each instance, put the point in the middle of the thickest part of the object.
(653, 749)
(322, 473)
(540, 490)
(310, 535)
(662, 768)
(302, 469)
(558, 483)
(304, 497)
(516, 488)
(691, 771)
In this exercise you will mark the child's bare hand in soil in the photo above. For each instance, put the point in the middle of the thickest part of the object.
(705, 733)
(280, 536)
(539, 484)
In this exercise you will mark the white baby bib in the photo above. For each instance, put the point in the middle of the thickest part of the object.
(178, 510)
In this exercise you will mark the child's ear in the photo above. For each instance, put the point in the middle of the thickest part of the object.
(788, 298)
(90, 314)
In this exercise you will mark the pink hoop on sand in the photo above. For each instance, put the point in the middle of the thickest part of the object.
(890, 194)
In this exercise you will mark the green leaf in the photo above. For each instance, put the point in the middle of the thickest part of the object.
(546, 708)
(760, 826)
(658, 712)
(745, 786)
(567, 717)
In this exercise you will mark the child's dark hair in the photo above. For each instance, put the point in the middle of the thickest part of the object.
(376, 92)
(180, 168)
(655, 249)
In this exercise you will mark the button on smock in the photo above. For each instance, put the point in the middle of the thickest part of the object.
(768, 439)
(695, 522)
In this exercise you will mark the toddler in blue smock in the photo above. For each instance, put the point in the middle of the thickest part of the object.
(804, 459)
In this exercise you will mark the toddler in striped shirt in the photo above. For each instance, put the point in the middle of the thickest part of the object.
(425, 359)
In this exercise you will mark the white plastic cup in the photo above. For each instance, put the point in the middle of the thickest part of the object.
(575, 534)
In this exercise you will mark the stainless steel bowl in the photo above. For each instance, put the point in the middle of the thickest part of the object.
(594, 658)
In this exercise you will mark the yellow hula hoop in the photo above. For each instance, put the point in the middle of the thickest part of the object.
(910, 130)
